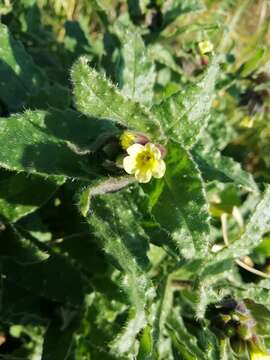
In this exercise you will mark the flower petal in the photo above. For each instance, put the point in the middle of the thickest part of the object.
(154, 150)
(135, 149)
(143, 176)
(160, 169)
(129, 164)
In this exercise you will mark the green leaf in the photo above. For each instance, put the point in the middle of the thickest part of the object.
(261, 315)
(219, 276)
(215, 166)
(137, 76)
(121, 213)
(22, 194)
(177, 8)
(19, 248)
(100, 187)
(257, 226)
(99, 327)
(184, 341)
(162, 54)
(146, 346)
(20, 77)
(83, 250)
(55, 96)
(41, 142)
(184, 114)
(136, 9)
(179, 205)
(59, 336)
(19, 306)
(253, 63)
(96, 96)
(163, 308)
(55, 279)
(126, 243)
(258, 293)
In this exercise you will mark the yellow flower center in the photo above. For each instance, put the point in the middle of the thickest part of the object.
(146, 160)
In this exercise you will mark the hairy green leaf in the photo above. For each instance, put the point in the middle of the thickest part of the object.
(215, 166)
(20, 77)
(163, 309)
(114, 223)
(184, 114)
(101, 187)
(96, 96)
(179, 7)
(22, 194)
(19, 248)
(55, 279)
(185, 342)
(137, 76)
(253, 63)
(20, 306)
(257, 226)
(258, 293)
(179, 205)
(49, 143)
(59, 336)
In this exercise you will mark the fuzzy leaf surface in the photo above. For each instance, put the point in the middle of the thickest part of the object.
(38, 142)
(184, 114)
(178, 203)
(129, 252)
(137, 77)
(20, 249)
(59, 337)
(180, 7)
(96, 96)
(22, 194)
(257, 226)
(20, 77)
(40, 279)
(215, 166)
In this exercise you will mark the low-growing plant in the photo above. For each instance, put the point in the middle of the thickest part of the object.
(134, 196)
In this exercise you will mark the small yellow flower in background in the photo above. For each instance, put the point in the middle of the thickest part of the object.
(205, 47)
(144, 161)
(127, 139)
(259, 356)
(247, 122)
(256, 353)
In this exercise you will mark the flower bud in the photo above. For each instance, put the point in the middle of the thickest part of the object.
(129, 138)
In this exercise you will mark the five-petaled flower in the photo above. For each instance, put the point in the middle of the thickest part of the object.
(144, 161)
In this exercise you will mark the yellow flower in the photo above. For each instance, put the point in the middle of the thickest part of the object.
(144, 161)
(247, 122)
(257, 353)
(127, 139)
(259, 356)
(205, 47)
